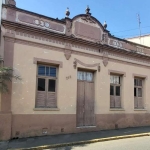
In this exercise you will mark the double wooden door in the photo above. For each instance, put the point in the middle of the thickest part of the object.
(85, 102)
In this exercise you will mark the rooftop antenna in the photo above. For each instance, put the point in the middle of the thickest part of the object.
(139, 22)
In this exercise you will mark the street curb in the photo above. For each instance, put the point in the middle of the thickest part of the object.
(83, 142)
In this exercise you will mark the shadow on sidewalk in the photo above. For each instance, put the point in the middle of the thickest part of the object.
(69, 138)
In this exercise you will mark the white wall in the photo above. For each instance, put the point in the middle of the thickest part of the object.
(144, 40)
(1, 2)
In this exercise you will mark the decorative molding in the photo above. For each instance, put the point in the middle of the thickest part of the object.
(67, 54)
(128, 63)
(99, 68)
(55, 41)
(97, 53)
(105, 59)
(54, 48)
(86, 65)
(68, 51)
(88, 19)
(140, 109)
(116, 43)
(46, 109)
(87, 32)
(6, 112)
(75, 65)
(140, 76)
(117, 72)
(68, 27)
(131, 47)
(127, 57)
(9, 39)
(11, 2)
(54, 62)
(11, 14)
(117, 109)
(36, 21)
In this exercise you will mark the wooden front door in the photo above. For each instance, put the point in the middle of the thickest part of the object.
(85, 99)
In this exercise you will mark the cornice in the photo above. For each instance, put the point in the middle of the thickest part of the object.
(64, 23)
(116, 72)
(33, 13)
(48, 61)
(126, 41)
(79, 53)
(75, 48)
(140, 76)
(86, 65)
(35, 30)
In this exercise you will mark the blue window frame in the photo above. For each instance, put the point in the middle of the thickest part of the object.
(46, 71)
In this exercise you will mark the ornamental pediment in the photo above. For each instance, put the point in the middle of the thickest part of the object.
(34, 20)
(87, 28)
(83, 27)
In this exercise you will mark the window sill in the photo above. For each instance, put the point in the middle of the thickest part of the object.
(136, 109)
(46, 109)
(116, 109)
(85, 127)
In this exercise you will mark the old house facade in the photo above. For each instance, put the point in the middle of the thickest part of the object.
(143, 39)
(76, 77)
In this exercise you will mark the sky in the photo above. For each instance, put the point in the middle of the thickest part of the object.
(120, 15)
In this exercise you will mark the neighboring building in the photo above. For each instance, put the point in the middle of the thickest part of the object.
(1, 2)
(144, 39)
(1, 55)
(76, 77)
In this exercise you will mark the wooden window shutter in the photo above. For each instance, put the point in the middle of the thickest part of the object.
(135, 102)
(117, 101)
(51, 100)
(112, 101)
(46, 87)
(40, 98)
(140, 102)
(51, 94)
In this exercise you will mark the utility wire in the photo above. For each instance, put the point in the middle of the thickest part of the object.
(132, 35)
(139, 21)
(131, 29)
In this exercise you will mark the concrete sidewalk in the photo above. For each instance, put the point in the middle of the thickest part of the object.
(26, 143)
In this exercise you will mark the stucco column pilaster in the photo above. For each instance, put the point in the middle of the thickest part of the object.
(68, 26)
(5, 111)
(8, 62)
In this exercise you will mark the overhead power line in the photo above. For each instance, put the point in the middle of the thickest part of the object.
(131, 29)
(139, 22)
(132, 35)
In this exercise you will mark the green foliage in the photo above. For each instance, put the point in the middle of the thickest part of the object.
(6, 75)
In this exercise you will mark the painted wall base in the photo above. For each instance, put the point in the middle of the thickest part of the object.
(5, 126)
(42, 124)
(38, 125)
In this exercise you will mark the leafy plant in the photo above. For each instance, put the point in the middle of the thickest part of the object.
(6, 75)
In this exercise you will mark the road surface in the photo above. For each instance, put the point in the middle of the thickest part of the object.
(140, 143)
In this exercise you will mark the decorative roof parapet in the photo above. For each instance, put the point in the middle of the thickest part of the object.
(82, 28)
(67, 12)
(105, 25)
(88, 10)
(11, 2)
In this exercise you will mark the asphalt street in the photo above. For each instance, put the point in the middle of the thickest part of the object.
(140, 143)
(78, 137)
